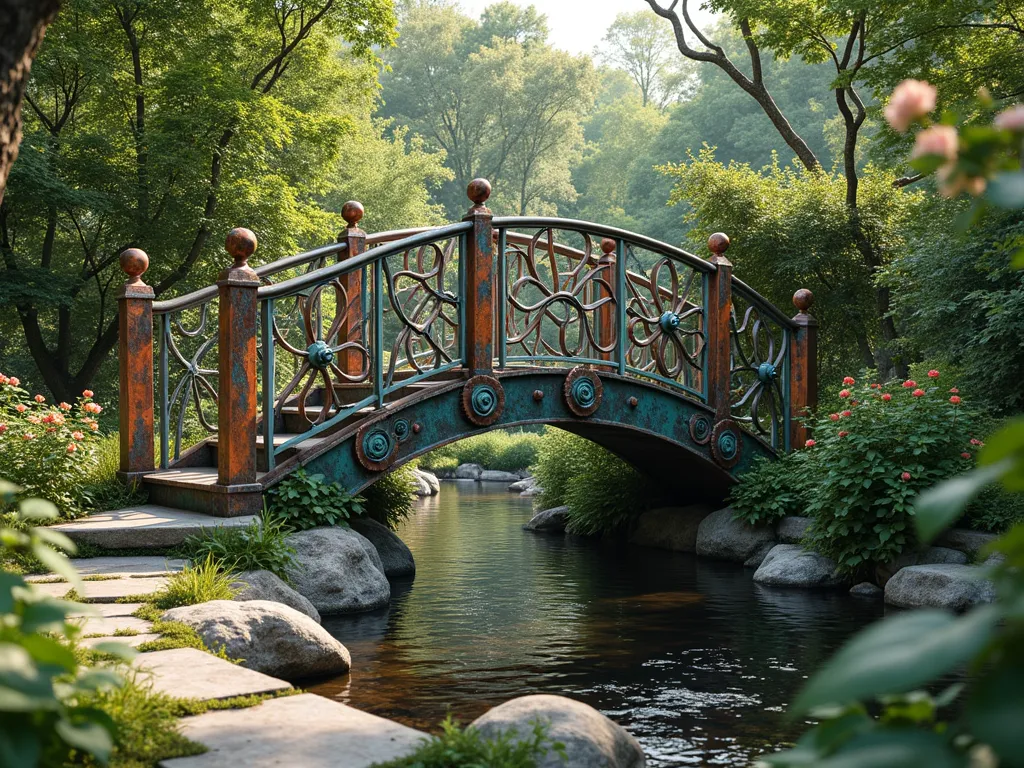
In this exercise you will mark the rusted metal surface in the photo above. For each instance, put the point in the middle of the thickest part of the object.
(803, 380)
(583, 391)
(606, 300)
(719, 314)
(483, 400)
(351, 360)
(479, 281)
(135, 367)
(236, 413)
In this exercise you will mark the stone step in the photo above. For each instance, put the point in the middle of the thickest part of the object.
(107, 591)
(305, 730)
(188, 673)
(145, 526)
(108, 625)
(128, 567)
(109, 610)
(133, 641)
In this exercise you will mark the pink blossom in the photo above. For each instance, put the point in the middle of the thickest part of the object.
(1010, 119)
(28, 436)
(72, 447)
(909, 384)
(954, 391)
(87, 393)
(810, 444)
(918, 393)
(21, 408)
(77, 436)
(834, 417)
(48, 418)
(976, 441)
(952, 183)
(933, 374)
(844, 393)
(14, 381)
(965, 455)
(3, 428)
(64, 406)
(910, 101)
(847, 413)
(905, 476)
(39, 399)
(941, 140)
(955, 399)
(3, 379)
(33, 419)
(92, 408)
(887, 397)
(843, 433)
(849, 380)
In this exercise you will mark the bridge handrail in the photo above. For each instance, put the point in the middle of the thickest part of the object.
(744, 290)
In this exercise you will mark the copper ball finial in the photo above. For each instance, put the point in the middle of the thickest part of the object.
(802, 300)
(718, 243)
(240, 245)
(607, 246)
(134, 263)
(479, 190)
(352, 212)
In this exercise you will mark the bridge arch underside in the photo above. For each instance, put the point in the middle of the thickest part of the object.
(646, 425)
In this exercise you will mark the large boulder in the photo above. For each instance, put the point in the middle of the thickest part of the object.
(338, 570)
(395, 556)
(521, 485)
(719, 535)
(468, 472)
(968, 542)
(263, 585)
(790, 565)
(866, 589)
(268, 637)
(426, 483)
(551, 520)
(948, 585)
(497, 476)
(591, 740)
(673, 528)
(791, 530)
(927, 556)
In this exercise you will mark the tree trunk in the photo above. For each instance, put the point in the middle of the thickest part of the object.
(22, 26)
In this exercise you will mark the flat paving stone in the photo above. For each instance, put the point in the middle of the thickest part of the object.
(110, 625)
(134, 640)
(145, 526)
(122, 567)
(188, 673)
(109, 610)
(108, 591)
(305, 730)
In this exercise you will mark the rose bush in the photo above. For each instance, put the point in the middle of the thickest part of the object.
(48, 449)
(857, 477)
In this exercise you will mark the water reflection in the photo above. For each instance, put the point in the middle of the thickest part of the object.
(690, 655)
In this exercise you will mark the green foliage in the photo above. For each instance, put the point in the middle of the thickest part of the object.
(602, 491)
(306, 501)
(389, 500)
(43, 714)
(101, 489)
(261, 545)
(467, 748)
(774, 488)
(197, 583)
(504, 450)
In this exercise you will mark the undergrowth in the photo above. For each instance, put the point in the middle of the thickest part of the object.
(507, 451)
(262, 545)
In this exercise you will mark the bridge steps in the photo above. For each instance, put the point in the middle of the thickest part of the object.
(147, 526)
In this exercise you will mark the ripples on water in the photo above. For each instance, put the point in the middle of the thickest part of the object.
(690, 655)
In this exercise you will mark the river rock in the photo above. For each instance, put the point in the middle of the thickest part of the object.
(947, 585)
(591, 740)
(522, 485)
(866, 589)
(719, 535)
(338, 570)
(790, 565)
(268, 637)
(497, 476)
(551, 520)
(673, 528)
(791, 530)
(427, 483)
(968, 542)
(468, 472)
(394, 555)
(928, 556)
(755, 560)
(264, 585)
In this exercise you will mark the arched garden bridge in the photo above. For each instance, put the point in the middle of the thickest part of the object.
(356, 357)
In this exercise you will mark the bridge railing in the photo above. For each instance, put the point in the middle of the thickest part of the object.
(347, 326)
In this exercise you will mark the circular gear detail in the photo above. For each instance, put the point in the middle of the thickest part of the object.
(375, 447)
(583, 391)
(700, 428)
(483, 400)
(726, 443)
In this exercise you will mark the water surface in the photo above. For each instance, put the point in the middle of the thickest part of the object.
(696, 660)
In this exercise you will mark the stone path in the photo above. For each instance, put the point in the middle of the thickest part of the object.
(108, 590)
(187, 673)
(146, 526)
(305, 730)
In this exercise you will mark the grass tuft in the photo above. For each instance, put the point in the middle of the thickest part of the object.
(196, 583)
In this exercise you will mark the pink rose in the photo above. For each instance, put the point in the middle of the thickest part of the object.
(887, 397)
(918, 393)
(87, 393)
(28, 436)
(905, 476)
(955, 399)
(1011, 119)
(64, 406)
(910, 101)
(933, 374)
(14, 381)
(849, 380)
(810, 444)
(844, 393)
(92, 408)
(941, 140)
(909, 384)
(39, 399)
(72, 447)
(834, 416)
(77, 436)
(847, 413)
(3, 428)
(965, 455)
(843, 433)
(21, 408)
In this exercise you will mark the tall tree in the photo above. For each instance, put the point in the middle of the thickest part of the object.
(644, 47)
(22, 26)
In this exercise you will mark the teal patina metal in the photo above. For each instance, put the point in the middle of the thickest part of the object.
(377, 445)
(767, 372)
(669, 322)
(402, 428)
(584, 392)
(484, 400)
(320, 354)
(728, 444)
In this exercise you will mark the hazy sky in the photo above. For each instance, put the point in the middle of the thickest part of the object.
(579, 25)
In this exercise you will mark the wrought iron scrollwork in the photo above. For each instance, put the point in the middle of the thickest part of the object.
(188, 367)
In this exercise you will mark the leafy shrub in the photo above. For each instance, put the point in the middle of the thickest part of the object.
(995, 511)
(197, 583)
(458, 748)
(305, 501)
(602, 491)
(389, 500)
(101, 488)
(42, 683)
(48, 450)
(261, 545)
(773, 489)
(501, 450)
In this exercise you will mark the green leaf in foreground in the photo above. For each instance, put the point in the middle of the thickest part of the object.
(895, 749)
(897, 655)
(995, 713)
(940, 506)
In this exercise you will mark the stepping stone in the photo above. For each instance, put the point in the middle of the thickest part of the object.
(108, 626)
(109, 610)
(134, 641)
(109, 591)
(305, 730)
(122, 567)
(188, 673)
(145, 526)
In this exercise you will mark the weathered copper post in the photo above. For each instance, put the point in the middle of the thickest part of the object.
(236, 403)
(135, 368)
(606, 312)
(719, 344)
(803, 378)
(351, 361)
(479, 271)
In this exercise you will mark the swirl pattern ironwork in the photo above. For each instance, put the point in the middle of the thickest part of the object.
(189, 372)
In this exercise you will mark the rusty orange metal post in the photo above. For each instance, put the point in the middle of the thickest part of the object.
(606, 312)
(479, 271)
(236, 403)
(135, 368)
(803, 376)
(351, 361)
(719, 343)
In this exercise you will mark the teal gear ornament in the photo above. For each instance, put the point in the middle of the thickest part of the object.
(320, 354)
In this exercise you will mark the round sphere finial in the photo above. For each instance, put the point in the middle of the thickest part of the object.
(803, 299)
(718, 243)
(352, 212)
(479, 190)
(134, 263)
(240, 245)
(607, 246)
